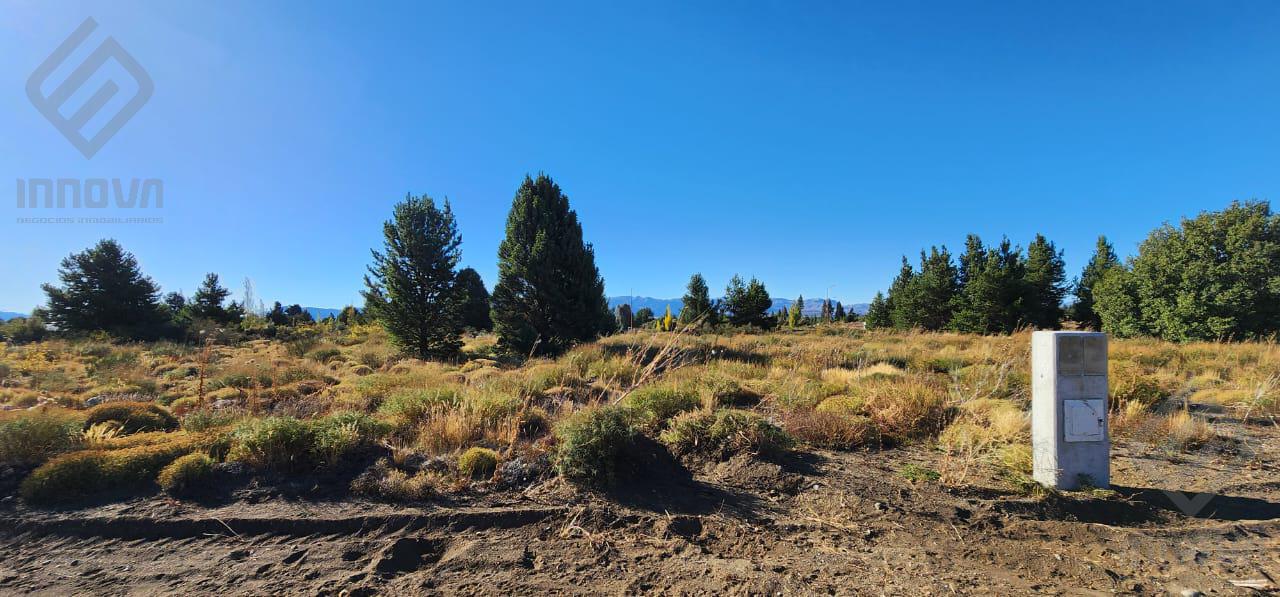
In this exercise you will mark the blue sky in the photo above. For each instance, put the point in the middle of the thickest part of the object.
(807, 144)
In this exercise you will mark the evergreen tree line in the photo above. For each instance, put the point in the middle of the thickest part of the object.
(994, 289)
(745, 304)
(1212, 277)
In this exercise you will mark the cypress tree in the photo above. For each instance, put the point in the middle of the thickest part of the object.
(839, 313)
(413, 287)
(1104, 258)
(103, 289)
(549, 293)
(475, 308)
(1044, 284)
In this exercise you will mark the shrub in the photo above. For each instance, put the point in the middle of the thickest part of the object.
(33, 438)
(287, 444)
(79, 474)
(203, 420)
(592, 443)
(652, 406)
(837, 430)
(478, 463)
(184, 404)
(186, 474)
(737, 431)
(324, 354)
(411, 406)
(918, 474)
(133, 417)
(723, 391)
(725, 433)
(276, 443)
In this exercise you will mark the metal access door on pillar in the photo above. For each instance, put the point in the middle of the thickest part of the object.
(1070, 442)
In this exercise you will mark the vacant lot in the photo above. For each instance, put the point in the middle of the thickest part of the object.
(830, 460)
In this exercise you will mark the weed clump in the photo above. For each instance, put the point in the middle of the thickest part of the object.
(478, 463)
(288, 444)
(725, 433)
(592, 444)
(653, 406)
(33, 438)
(186, 474)
(133, 417)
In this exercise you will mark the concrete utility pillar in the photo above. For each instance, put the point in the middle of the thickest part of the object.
(1070, 443)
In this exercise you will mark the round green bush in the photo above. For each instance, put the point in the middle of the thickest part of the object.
(478, 463)
(186, 474)
(592, 442)
(133, 417)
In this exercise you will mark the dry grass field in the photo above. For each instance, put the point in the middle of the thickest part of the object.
(852, 461)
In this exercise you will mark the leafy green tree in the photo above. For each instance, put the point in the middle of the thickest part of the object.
(879, 314)
(475, 308)
(624, 316)
(1117, 303)
(414, 283)
(104, 289)
(349, 316)
(549, 293)
(795, 316)
(277, 315)
(644, 316)
(295, 314)
(747, 304)
(206, 303)
(697, 302)
(1216, 276)
(1044, 285)
(1104, 258)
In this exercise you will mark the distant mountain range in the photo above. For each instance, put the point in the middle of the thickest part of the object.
(659, 306)
(7, 315)
(319, 313)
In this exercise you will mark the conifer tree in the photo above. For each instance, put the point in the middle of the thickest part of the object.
(103, 289)
(697, 302)
(903, 304)
(1044, 284)
(644, 316)
(475, 308)
(933, 290)
(992, 298)
(413, 284)
(206, 303)
(839, 313)
(549, 293)
(826, 311)
(747, 304)
(1104, 258)
(879, 314)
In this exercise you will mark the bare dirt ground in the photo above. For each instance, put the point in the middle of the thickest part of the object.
(830, 522)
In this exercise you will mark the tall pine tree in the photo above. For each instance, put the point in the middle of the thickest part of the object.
(1104, 258)
(697, 302)
(878, 314)
(475, 308)
(549, 293)
(412, 288)
(1044, 285)
(103, 289)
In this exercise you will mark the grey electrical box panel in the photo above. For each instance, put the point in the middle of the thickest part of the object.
(1070, 442)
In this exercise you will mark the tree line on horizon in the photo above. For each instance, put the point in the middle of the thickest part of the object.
(1213, 277)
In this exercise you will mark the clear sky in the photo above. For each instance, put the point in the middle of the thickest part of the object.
(809, 144)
